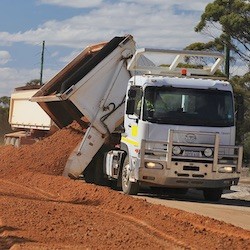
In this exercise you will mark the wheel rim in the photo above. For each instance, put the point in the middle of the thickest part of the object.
(125, 175)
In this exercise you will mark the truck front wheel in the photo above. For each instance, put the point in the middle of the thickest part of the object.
(212, 194)
(128, 187)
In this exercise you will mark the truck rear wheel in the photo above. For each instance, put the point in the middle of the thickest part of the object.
(128, 187)
(94, 171)
(212, 194)
(99, 178)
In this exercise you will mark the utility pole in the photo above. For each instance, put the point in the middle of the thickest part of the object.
(42, 59)
(227, 45)
(227, 58)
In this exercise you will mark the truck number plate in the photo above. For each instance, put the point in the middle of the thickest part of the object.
(192, 154)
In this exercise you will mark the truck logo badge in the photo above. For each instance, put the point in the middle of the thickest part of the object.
(190, 138)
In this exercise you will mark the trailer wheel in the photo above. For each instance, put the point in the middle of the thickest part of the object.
(7, 140)
(128, 187)
(12, 141)
(17, 142)
(212, 194)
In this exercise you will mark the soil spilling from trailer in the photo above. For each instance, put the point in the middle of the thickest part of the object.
(40, 209)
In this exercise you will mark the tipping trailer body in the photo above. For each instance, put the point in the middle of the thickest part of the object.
(92, 87)
(27, 119)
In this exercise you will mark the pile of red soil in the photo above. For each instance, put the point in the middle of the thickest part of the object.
(42, 210)
(48, 156)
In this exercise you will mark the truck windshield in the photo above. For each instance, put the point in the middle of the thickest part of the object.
(196, 107)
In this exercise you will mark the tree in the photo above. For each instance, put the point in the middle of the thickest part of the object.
(4, 114)
(246, 146)
(234, 19)
(241, 85)
(33, 82)
(4, 101)
(215, 45)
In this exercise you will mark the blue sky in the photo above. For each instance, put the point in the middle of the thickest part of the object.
(68, 26)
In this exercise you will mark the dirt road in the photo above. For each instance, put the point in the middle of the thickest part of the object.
(39, 209)
(233, 208)
(51, 212)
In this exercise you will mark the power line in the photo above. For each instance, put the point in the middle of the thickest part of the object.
(51, 57)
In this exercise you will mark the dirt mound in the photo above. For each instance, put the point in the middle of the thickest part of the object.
(43, 210)
(47, 156)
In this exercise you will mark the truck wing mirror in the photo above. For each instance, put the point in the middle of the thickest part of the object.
(130, 107)
(132, 93)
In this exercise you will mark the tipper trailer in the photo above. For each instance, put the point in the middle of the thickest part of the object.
(28, 120)
(147, 124)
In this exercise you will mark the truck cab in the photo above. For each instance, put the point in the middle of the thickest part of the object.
(179, 131)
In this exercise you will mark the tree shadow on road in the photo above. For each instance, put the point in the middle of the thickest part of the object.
(6, 242)
(196, 196)
(78, 201)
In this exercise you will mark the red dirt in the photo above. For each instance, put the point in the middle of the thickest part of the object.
(42, 210)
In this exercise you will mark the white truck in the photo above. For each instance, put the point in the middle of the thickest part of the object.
(147, 125)
(29, 121)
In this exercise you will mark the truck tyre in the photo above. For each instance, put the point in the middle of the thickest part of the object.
(17, 142)
(94, 171)
(12, 141)
(7, 140)
(128, 187)
(212, 194)
(89, 174)
(99, 178)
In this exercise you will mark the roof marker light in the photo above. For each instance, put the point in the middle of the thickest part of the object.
(184, 72)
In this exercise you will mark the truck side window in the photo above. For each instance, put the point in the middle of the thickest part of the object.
(138, 101)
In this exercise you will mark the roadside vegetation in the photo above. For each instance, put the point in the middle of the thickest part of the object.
(4, 113)
(232, 18)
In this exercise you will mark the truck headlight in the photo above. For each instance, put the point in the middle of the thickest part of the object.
(153, 165)
(226, 169)
(208, 152)
(176, 150)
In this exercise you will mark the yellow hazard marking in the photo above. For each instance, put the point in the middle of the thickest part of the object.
(134, 131)
(130, 141)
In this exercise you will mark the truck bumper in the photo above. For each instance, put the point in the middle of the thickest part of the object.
(168, 178)
(158, 165)
(174, 182)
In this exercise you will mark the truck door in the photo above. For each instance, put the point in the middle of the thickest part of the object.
(133, 114)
